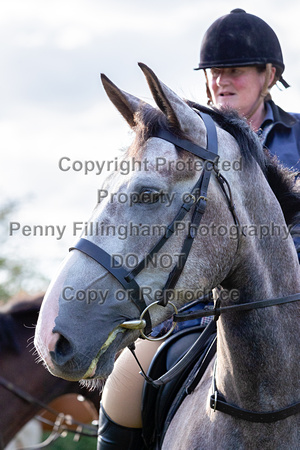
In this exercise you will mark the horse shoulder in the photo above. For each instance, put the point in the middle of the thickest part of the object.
(189, 427)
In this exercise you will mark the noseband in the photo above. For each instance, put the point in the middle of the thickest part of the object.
(127, 278)
(196, 201)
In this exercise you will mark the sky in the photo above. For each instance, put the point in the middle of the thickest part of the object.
(53, 105)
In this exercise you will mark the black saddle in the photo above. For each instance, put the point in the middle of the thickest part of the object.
(160, 403)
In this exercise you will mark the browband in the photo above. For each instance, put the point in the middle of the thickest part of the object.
(126, 278)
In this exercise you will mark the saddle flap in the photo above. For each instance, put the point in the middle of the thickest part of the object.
(158, 401)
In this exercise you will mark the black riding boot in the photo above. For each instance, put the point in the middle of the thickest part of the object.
(112, 436)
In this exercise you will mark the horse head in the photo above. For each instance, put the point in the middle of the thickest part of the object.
(88, 314)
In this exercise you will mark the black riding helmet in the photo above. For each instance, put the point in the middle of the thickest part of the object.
(241, 39)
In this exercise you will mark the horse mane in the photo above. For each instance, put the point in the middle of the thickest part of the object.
(13, 310)
(281, 179)
(148, 120)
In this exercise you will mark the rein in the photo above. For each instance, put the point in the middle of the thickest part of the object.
(197, 201)
(217, 401)
(127, 278)
(217, 311)
(62, 420)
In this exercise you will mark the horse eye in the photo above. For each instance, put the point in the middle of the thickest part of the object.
(148, 196)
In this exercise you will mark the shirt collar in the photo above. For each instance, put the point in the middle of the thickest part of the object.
(269, 117)
(278, 115)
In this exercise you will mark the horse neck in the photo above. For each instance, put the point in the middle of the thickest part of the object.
(257, 365)
(256, 360)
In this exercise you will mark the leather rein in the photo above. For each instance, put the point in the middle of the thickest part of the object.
(217, 401)
(62, 421)
(127, 278)
(195, 203)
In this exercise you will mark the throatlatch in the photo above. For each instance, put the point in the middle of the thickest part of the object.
(199, 200)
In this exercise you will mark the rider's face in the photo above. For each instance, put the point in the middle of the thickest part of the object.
(236, 87)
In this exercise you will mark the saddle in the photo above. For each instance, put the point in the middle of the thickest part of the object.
(161, 403)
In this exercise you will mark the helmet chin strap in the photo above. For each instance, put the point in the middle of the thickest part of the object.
(264, 92)
(208, 93)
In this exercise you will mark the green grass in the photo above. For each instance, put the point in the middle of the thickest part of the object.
(67, 443)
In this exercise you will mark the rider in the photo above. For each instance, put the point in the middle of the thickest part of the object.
(244, 59)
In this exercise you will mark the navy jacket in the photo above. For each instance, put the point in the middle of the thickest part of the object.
(280, 133)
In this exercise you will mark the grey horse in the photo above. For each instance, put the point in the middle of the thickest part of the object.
(88, 314)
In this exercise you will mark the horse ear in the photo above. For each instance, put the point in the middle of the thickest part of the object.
(175, 109)
(125, 103)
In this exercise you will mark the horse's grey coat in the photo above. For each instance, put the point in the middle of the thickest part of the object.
(257, 365)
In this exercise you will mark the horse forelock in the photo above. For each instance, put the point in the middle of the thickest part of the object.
(280, 179)
(148, 120)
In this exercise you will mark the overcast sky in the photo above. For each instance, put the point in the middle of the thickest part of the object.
(53, 104)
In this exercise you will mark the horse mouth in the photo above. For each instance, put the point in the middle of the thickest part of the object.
(91, 372)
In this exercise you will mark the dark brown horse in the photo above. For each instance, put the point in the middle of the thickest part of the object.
(18, 365)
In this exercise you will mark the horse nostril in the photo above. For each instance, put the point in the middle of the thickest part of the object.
(63, 351)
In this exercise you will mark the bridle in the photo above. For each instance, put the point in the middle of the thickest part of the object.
(217, 401)
(195, 202)
(127, 278)
(62, 421)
